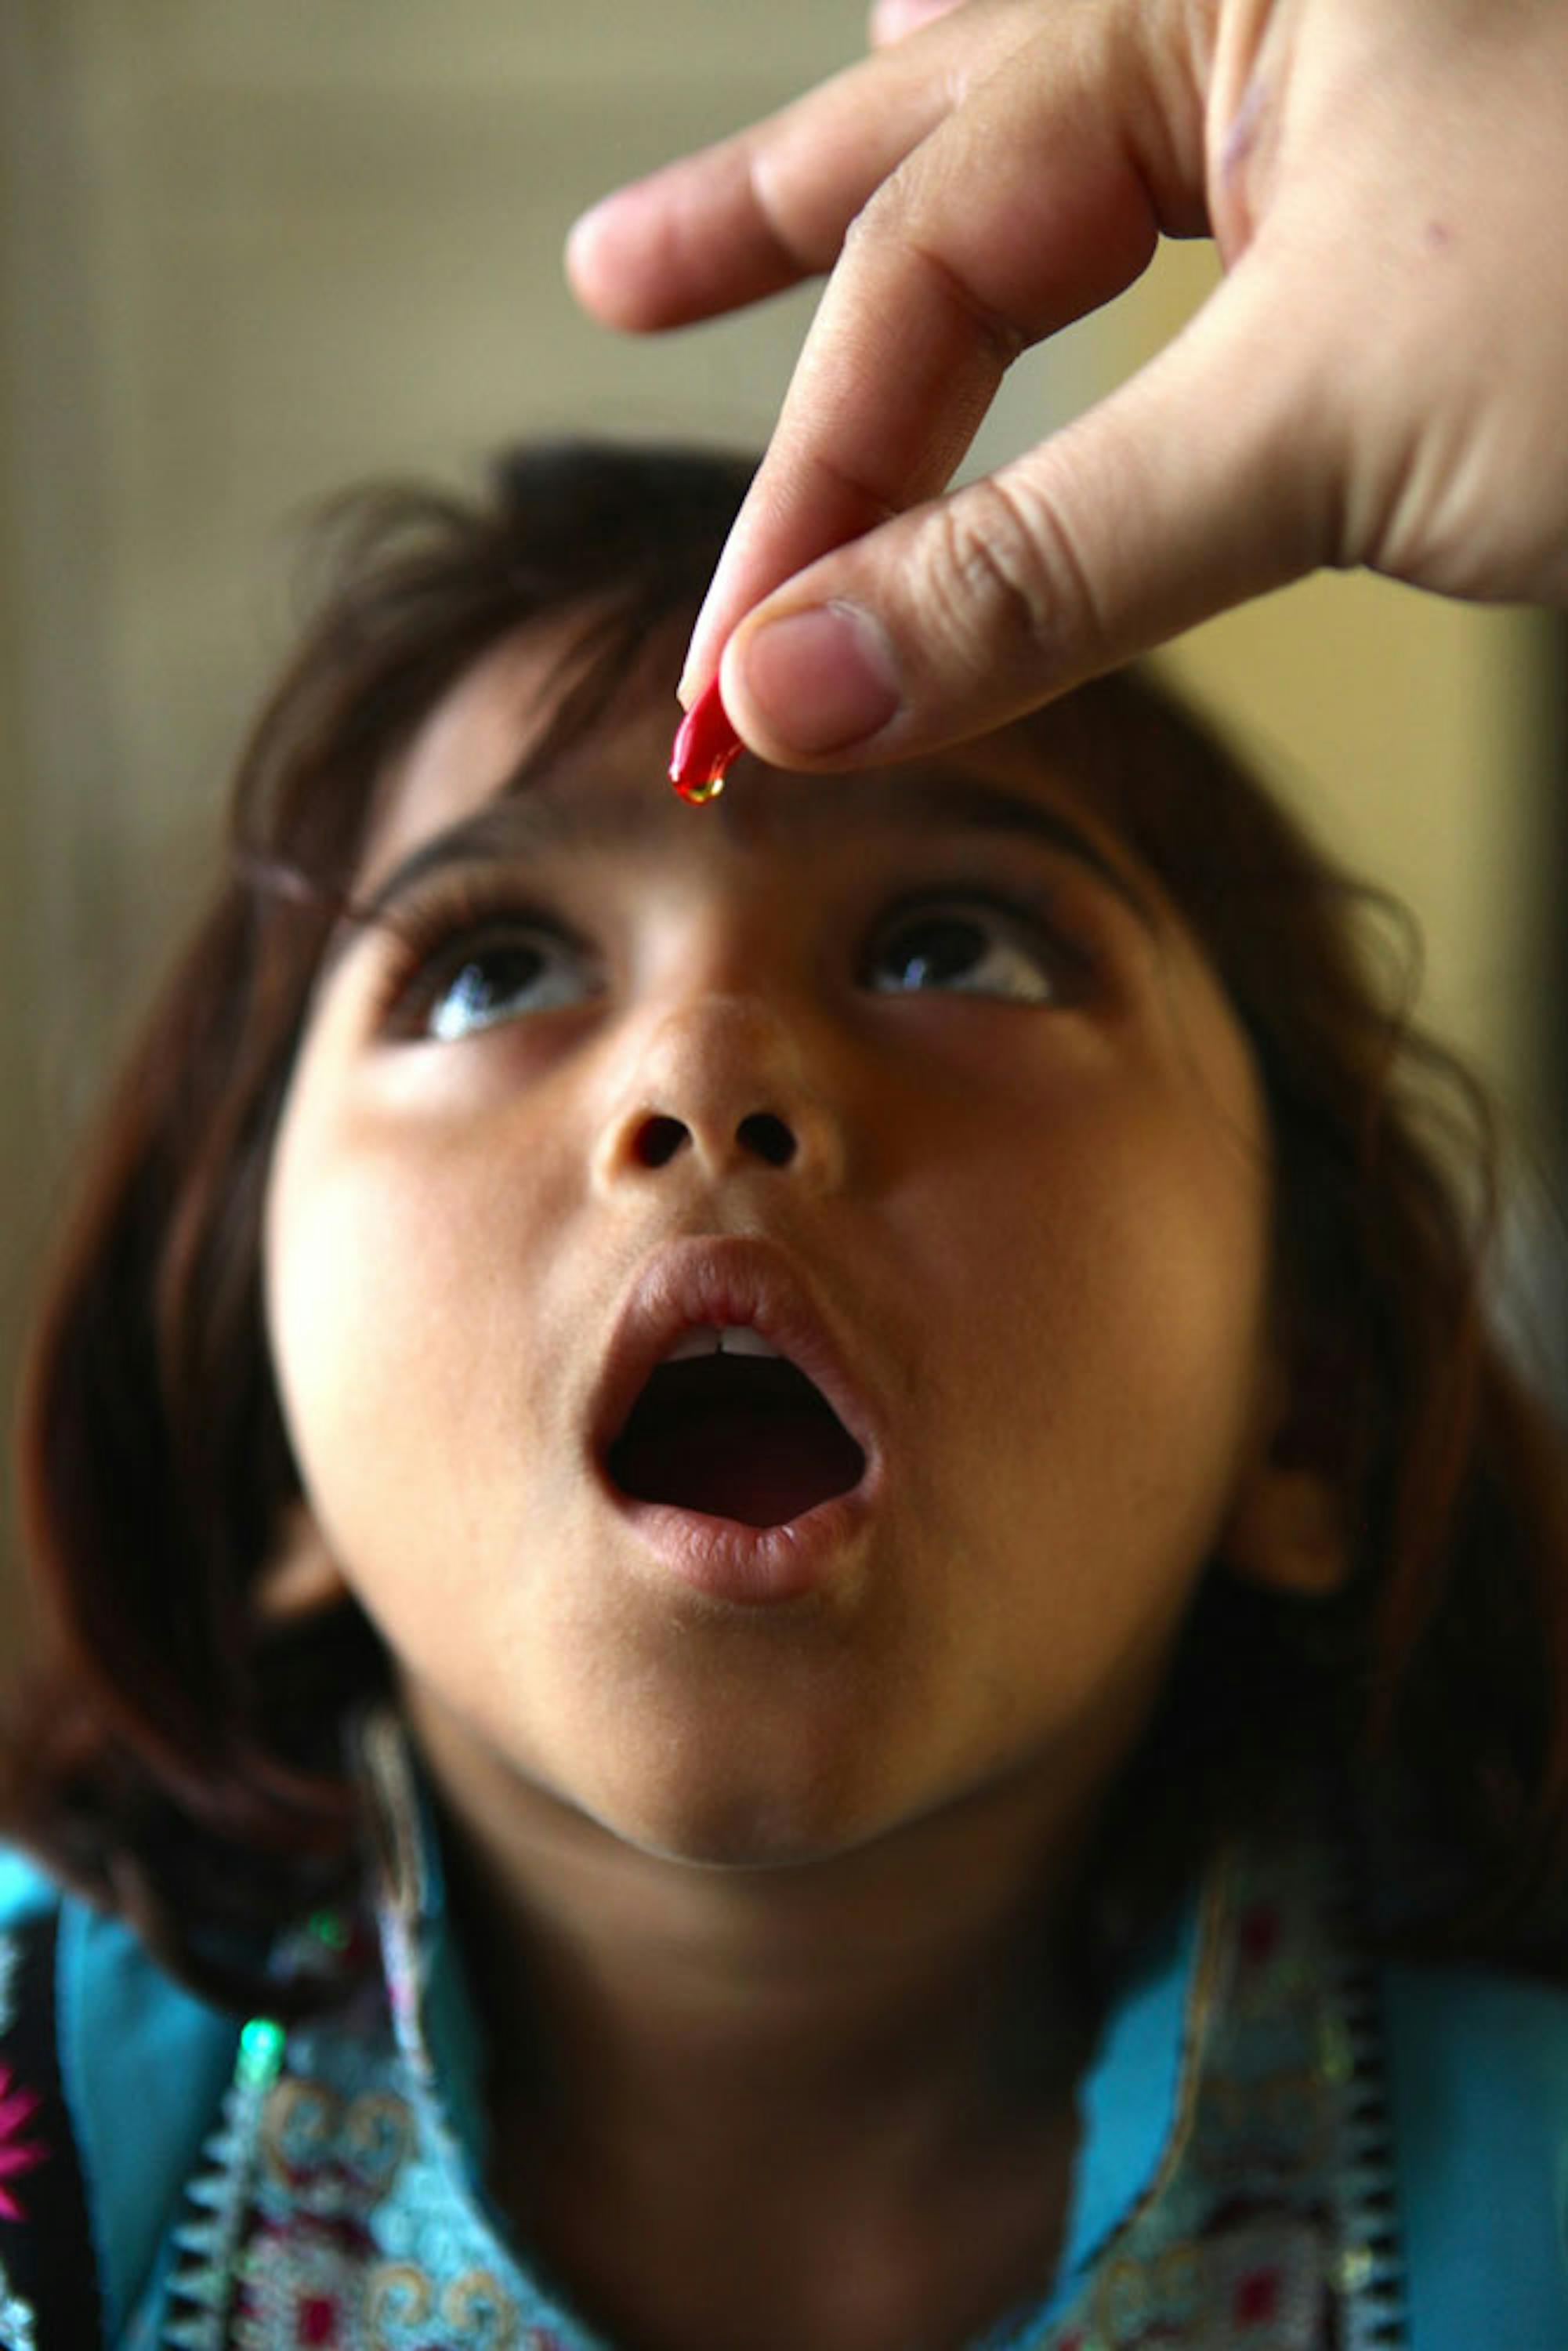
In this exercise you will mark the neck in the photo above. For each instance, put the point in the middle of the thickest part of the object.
(850, 2077)
(794, 1994)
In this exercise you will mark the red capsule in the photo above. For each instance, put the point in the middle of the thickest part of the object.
(705, 750)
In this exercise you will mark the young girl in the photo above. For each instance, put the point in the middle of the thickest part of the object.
(794, 1600)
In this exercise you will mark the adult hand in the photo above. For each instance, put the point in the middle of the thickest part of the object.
(1380, 378)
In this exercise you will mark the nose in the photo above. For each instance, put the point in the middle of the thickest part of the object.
(725, 1085)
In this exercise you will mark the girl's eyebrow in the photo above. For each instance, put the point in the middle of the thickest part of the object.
(927, 802)
(537, 811)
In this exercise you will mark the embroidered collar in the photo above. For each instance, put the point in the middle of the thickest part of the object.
(1233, 2190)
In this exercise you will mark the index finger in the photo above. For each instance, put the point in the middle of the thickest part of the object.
(760, 211)
(1040, 197)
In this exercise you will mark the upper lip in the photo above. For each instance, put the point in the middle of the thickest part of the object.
(727, 1282)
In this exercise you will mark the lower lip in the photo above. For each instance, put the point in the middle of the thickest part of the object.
(751, 1567)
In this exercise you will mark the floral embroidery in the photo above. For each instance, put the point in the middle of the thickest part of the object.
(1267, 2229)
(17, 2153)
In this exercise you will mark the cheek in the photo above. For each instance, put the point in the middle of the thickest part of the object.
(1103, 1271)
(381, 1277)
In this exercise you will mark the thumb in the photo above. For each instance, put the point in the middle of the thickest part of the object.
(1207, 478)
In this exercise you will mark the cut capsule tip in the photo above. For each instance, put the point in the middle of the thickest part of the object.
(705, 750)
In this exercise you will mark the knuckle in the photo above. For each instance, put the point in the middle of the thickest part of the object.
(999, 338)
(1008, 578)
(878, 234)
(893, 237)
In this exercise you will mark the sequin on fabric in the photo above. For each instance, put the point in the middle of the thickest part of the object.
(9, 1959)
(19, 2326)
(336, 2206)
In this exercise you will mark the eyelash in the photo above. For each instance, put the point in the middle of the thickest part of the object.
(433, 933)
(1061, 945)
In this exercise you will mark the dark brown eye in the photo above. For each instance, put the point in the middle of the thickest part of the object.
(968, 948)
(503, 976)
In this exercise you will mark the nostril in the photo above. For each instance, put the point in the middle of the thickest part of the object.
(658, 1140)
(768, 1137)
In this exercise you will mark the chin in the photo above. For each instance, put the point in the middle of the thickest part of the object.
(737, 1828)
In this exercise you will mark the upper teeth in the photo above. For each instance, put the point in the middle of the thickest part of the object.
(709, 1340)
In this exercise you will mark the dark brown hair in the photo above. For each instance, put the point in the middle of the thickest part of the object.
(168, 1733)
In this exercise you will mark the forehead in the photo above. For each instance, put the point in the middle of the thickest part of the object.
(492, 741)
(488, 777)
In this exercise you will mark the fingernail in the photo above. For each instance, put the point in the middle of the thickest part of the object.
(823, 679)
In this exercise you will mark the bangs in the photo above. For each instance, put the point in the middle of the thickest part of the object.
(610, 549)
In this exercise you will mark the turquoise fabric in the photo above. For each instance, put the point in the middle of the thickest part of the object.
(1479, 2079)
(1479, 2076)
(144, 2066)
(1127, 2100)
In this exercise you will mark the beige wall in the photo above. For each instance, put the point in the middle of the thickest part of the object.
(1408, 729)
(253, 249)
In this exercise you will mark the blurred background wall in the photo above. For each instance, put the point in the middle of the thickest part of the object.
(252, 249)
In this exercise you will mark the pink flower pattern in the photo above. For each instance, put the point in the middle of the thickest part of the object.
(18, 2153)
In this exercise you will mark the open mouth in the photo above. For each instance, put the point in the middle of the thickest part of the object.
(727, 1426)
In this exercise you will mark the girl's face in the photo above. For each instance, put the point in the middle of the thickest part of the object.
(913, 1077)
